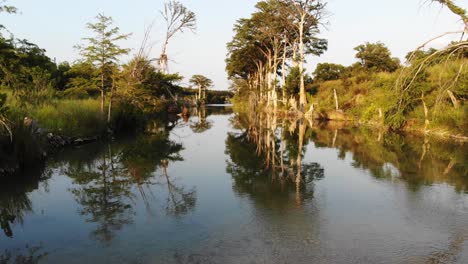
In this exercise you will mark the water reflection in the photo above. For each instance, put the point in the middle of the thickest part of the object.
(106, 184)
(280, 145)
(179, 201)
(103, 193)
(15, 202)
(268, 157)
(414, 160)
(286, 191)
(29, 255)
(201, 124)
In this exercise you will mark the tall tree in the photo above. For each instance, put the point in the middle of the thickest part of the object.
(376, 57)
(264, 42)
(202, 83)
(306, 16)
(178, 18)
(103, 51)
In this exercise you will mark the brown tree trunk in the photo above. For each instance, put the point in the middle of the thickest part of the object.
(336, 100)
(283, 73)
(426, 114)
(102, 94)
(302, 94)
(109, 113)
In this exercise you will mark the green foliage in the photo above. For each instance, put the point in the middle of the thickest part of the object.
(203, 83)
(3, 120)
(82, 75)
(218, 97)
(376, 57)
(26, 70)
(143, 85)
(293, 81)
(272, 33)
(25, 151)
(372, 97)
(328, 71)
(418, 56)
(103, 52)
(126, 117)
(3, 107)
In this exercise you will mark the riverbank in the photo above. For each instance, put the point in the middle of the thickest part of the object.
(412, 127)
(43, 129)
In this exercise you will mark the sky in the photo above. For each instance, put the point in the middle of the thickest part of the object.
(59, 25)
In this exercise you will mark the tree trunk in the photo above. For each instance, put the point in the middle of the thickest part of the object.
(283, 73)
(268, 78)
(274, 73)
(426, 114)
(335, 137)
(294, 56)
(336, 100)
(204, 96)
(302, 130)
(302, 94)
(163, 58)
(109, 113)
(102, 94)
(199, 93)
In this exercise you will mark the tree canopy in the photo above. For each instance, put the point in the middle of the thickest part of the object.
(376, 57)
(328, 71)
(279, 33)
(103, 51)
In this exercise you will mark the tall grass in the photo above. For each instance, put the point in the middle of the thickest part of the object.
(70, 117)
(365, 97)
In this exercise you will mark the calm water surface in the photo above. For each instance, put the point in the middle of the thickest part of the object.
(230, 188)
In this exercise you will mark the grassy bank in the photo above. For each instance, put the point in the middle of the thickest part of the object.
(435, 104)
(70, 119)
(371, 97)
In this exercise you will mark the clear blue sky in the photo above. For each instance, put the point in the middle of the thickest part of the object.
(58, 25)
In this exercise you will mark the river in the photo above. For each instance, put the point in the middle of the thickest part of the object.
(223, 187)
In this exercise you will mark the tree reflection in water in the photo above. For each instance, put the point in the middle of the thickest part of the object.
(179, 200)
(30, 255)
(417, 161)
(202, 124)
(104, 196)
(15, 203)
(104, 187)
(267, 157)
